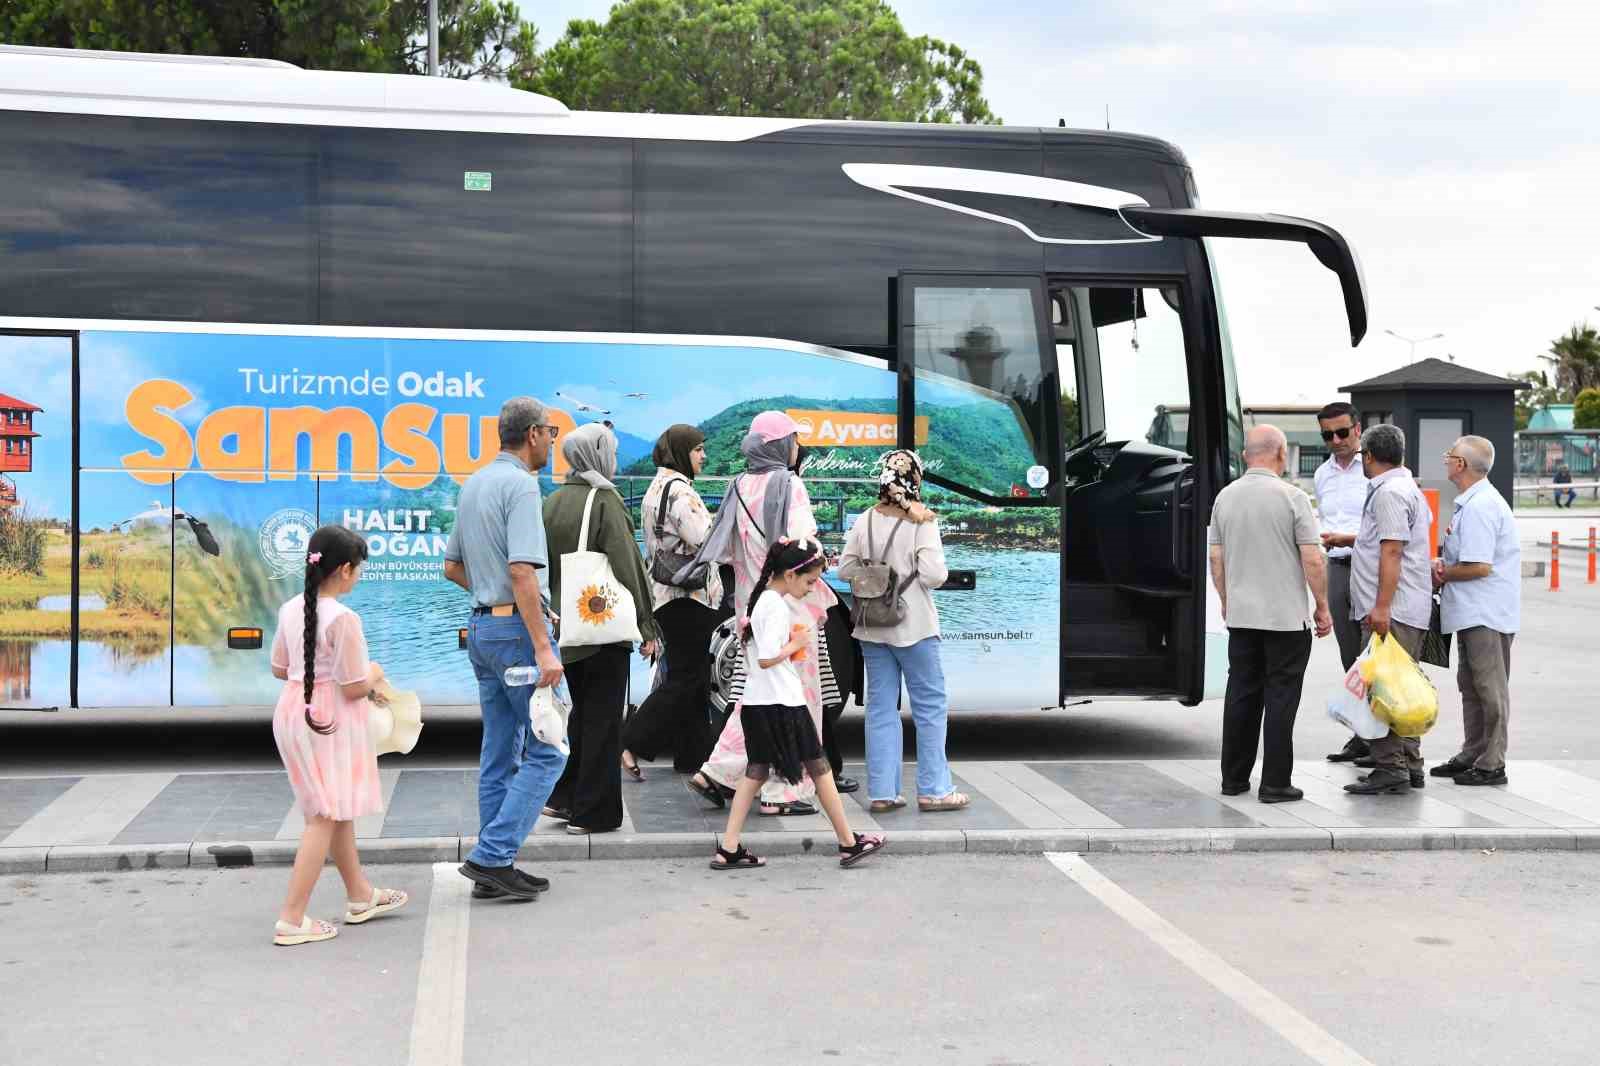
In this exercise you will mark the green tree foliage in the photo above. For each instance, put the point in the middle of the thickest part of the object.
(1542, 394)
(1575, 359)
(477, 38)
(839, 59)
(1586, 409)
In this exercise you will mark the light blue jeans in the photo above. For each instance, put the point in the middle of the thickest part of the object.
(516, 770)
(920, 667)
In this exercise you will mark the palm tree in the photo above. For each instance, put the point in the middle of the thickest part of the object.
(1575, 358)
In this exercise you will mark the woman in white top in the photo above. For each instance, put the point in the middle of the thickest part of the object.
(905, 535)
(675, 715)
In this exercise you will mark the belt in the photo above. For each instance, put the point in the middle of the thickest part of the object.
(1339, 560)
(499, 610)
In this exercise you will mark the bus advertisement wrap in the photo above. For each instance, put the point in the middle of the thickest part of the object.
(262, 437)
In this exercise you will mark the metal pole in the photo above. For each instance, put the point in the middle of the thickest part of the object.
(1591, 555)
(433, 38)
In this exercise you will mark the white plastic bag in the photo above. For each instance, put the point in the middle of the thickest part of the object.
(548, 709)
(1351, 706)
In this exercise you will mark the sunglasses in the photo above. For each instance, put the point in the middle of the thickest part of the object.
(1341, 434)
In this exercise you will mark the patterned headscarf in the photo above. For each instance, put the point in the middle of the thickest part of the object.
(900, 481)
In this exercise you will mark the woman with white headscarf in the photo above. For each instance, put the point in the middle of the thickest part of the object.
(589, 795)
(767, 501)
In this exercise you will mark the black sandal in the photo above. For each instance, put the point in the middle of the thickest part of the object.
(710, 792)
(737, 860)
(864, 846)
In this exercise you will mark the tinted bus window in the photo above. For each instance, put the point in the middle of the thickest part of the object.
(148, 218)
(774, 240)
(542, 239)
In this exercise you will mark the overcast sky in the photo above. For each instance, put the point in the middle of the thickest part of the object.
(1453, 143)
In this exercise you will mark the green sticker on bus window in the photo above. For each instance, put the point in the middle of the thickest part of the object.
(477, 181)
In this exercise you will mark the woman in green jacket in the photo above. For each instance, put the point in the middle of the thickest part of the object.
(589, 795)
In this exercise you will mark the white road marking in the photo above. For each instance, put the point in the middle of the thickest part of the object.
(369, 827)
(1269, 814)
(1065, 808)
(93, 811)
(438, 1025)
(1317, 1043)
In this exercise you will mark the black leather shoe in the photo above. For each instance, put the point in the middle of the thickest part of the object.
(1450, 768)
(1353, 749)
(508, 879)
(1418, 779)
(846, 785)
(1235, 788)
(1279, 794)
(538, 884)
(1476, 776)
(1380, 781)
(486, 892)
(1365, 762)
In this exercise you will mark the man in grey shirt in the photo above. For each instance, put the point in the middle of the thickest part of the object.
(1391, 586)
(495, 552)
(1266, 551)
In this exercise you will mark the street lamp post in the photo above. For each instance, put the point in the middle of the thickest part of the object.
(433, 38)
(1413, 341)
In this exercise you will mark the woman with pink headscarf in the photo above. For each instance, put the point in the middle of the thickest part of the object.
(767, 501)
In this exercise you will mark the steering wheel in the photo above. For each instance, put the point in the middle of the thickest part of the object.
(1083, 444)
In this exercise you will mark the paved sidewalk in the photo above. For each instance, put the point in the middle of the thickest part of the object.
(227, 819)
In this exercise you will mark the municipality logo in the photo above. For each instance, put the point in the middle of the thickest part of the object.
(285, 536)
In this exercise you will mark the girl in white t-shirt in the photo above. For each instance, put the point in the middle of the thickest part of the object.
(778, 730)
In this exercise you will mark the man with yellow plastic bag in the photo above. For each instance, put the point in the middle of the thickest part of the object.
(1391, 590)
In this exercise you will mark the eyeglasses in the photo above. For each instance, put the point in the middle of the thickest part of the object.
(1458, 458)
(554, 431)
(1330, 434)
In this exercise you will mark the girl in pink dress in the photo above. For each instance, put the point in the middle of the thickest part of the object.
(320, 725)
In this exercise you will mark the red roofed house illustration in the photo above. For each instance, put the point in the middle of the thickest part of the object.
(16, 444)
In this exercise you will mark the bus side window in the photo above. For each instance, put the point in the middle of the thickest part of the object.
(1061, 319)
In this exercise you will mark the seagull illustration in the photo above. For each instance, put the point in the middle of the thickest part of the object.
(160, 517)
(637, 395)
(580, 405)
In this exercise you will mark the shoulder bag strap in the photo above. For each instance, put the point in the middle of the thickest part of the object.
(890, 542)
(583, 536)
(740, 497)
(661, 511)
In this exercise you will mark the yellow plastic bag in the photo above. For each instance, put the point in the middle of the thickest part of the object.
(1401, 693)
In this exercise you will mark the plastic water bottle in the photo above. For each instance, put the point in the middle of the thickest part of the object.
(522, 675)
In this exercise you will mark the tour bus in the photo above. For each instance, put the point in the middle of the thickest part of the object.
(239, 299)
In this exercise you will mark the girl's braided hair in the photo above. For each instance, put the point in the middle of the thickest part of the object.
(331, 547)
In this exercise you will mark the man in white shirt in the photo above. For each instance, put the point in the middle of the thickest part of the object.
(1480, 575)
(1341, 488)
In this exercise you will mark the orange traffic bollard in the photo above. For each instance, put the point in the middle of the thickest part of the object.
(1591, 555)
(1555, 561)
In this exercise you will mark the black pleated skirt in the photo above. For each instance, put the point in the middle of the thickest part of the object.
(784, 738)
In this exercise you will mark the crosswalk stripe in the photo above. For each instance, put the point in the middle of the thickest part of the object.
(93, 811)
(368, 827)
(1276, 816)
(438, 1022)
(1068, 810)
(1316, 1042)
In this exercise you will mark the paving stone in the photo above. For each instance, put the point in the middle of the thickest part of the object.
(1518, 839)
(22, 860)
(1272, 839)
(1026, 841)
(1418, 838)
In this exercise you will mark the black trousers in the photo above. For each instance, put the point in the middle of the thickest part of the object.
(1266, 670)
(676, 716)
(844, 655)
(591, 785)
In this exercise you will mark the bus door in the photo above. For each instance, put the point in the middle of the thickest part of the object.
(979, 396)
(1132, 593)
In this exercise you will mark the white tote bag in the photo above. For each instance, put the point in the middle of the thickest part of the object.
(595, 607)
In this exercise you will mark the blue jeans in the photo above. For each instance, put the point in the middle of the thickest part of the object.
(516, 771)
(919, 665)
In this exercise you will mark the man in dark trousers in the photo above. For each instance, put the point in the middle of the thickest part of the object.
(1341, 487)
(1266, 551)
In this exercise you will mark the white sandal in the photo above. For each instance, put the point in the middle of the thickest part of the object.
(309, 931)
(383, 901)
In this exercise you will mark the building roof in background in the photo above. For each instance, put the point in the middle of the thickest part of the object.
(11, 403)
(1436, 374)
(1552, 416)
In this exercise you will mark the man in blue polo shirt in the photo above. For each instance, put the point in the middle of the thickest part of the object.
(1480, 577)
(495, 552)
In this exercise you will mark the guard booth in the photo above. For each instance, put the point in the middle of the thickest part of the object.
(1434, 402)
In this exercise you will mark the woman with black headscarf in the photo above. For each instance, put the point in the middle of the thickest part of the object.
(676, 522)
